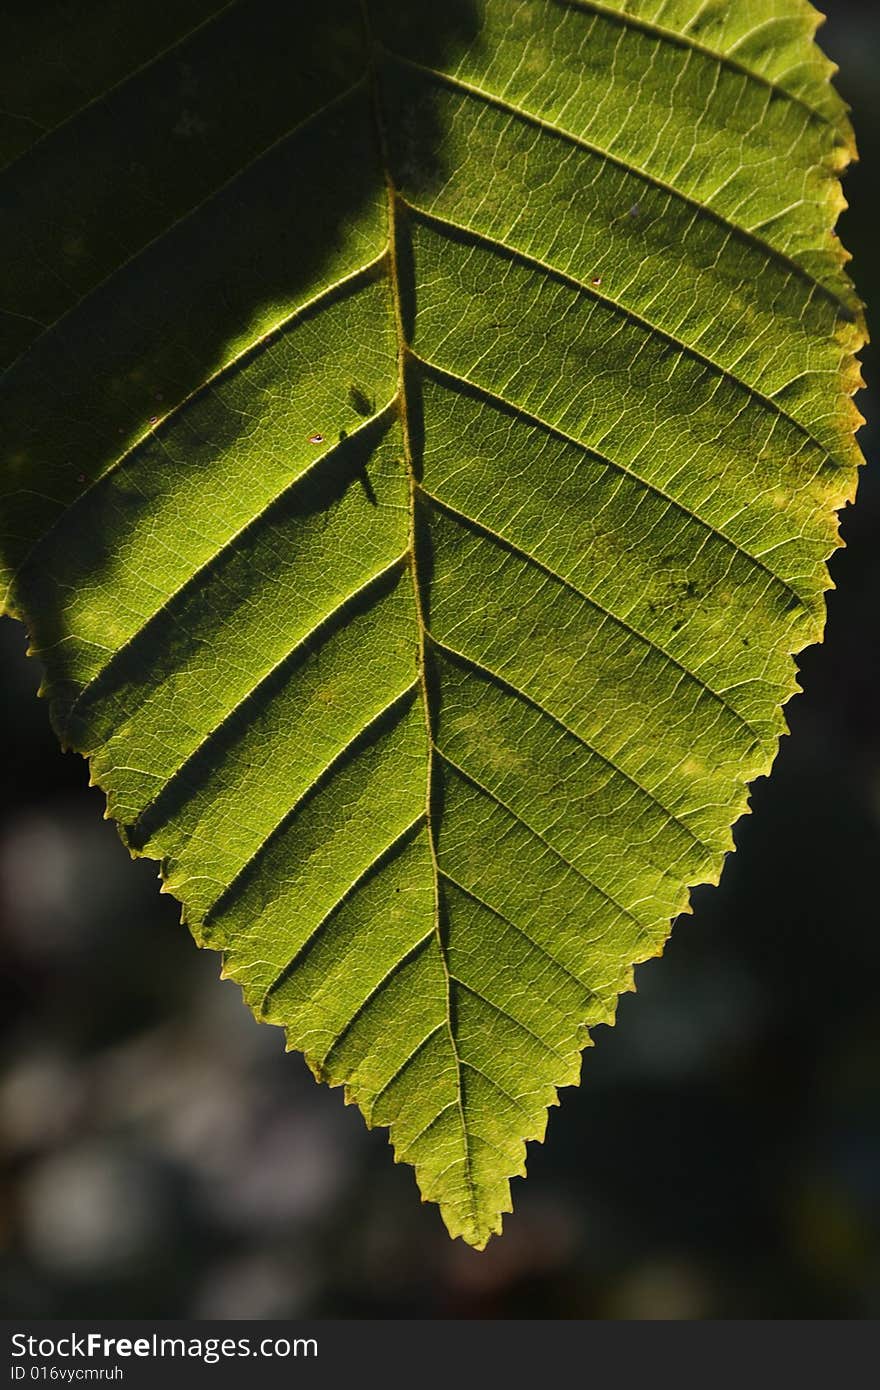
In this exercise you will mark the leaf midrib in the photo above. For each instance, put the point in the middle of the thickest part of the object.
(395, 213)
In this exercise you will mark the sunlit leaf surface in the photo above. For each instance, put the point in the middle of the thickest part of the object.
(422, 438)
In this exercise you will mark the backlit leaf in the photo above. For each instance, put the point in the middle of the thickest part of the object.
(423, 432)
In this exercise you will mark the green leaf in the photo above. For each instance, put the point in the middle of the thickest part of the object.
(424, 431)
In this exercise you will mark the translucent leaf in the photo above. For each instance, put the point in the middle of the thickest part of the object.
(424, 430)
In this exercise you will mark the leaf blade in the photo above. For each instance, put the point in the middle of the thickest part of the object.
(426, 607)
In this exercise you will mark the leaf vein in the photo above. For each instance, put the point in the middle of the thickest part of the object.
(624, 312)
(378, 861)
(502, 917)
(519, 693)
(289, 658)
(329, 770)
(480, 527)
(344, 284)
(411, 954)
(504, 1013)
(700, 210)
(410, 1057)
(123, 81)
(515, 815)
(190, 212)
(680, 39)
(205, 569)
(394, 276)
(457, 380)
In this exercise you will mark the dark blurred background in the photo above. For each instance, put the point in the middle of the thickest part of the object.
(165, 1158)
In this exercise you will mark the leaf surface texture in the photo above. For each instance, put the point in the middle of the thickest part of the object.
(424, 432)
